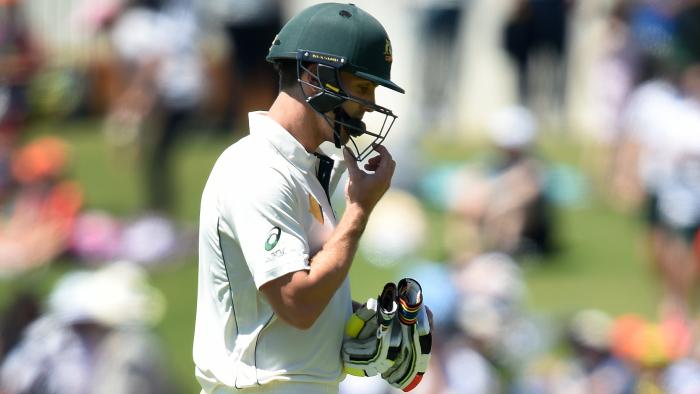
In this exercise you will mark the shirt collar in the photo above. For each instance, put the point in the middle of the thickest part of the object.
(262, 125)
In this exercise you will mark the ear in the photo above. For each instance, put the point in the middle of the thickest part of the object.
(310, 75)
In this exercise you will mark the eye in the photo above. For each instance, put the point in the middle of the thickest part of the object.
(364, 89)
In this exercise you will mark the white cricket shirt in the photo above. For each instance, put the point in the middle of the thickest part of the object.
(263, 215)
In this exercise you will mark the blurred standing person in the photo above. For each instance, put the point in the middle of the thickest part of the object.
(660, 149)
(19, 60)
(273, 291)
(612, 74)
(437, 68)
(250, 26)
(663, 147)
(439, 58)
(538, 28)
(157, 41)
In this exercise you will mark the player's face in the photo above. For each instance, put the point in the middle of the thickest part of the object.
(354, 86)
(359, 88)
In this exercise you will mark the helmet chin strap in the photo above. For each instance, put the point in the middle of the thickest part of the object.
(355, 127)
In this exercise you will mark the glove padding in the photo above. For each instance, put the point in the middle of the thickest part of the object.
(416, 339)
(371, 346)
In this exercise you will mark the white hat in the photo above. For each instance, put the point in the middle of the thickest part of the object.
(513, 127)
(397, 229)
(591, 328)
(492, 275)
(114, 295)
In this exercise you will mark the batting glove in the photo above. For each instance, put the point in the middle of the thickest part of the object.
(416, 338)
(371, 346)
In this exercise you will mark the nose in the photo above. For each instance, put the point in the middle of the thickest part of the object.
(369, 97)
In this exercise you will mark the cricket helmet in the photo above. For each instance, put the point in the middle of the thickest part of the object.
(339, 37)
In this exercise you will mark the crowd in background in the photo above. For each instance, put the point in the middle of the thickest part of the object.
(155, 82)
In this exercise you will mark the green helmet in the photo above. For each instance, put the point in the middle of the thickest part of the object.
(339, 37)
(344, 32)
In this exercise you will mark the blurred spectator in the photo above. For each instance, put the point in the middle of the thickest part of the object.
(659, 159)
(22, 309)
(652, 23)
(505, 206)
(439, 59)
(147, 240)
(93, 339)
(613, 68)
(592, 368)
(498, 337)
(19, 60)
(156, 41)
(652, 350)
(599, 370)
(537, 28)
(682, 377)
(41, 206)
(687, 31)
(249, 27)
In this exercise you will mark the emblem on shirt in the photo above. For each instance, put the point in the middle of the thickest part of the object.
(272, 237)
(315, 209)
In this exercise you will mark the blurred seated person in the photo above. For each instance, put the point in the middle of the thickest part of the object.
(39, 206)
(589, 365)
(94, 338)
(653, 349)
(22, 308)
(595, 368)
(496, 335)
(505, 206)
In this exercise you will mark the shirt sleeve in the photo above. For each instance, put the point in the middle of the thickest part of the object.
(267, 221)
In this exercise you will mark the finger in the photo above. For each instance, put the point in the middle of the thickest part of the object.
(386, 165)
(386, 170)
(371, 167)
(381, 149)
(351, 162)
(374, 160)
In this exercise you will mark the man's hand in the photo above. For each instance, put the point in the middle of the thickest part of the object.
(365, 189)
(370, 338)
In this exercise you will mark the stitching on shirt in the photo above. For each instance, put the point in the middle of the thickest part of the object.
(228, 279)
(255, 351)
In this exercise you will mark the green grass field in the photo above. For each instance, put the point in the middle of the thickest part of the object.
(602, 263)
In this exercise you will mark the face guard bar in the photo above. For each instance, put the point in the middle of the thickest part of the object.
(330, 97)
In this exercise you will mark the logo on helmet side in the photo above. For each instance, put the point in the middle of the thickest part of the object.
(387, 51)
